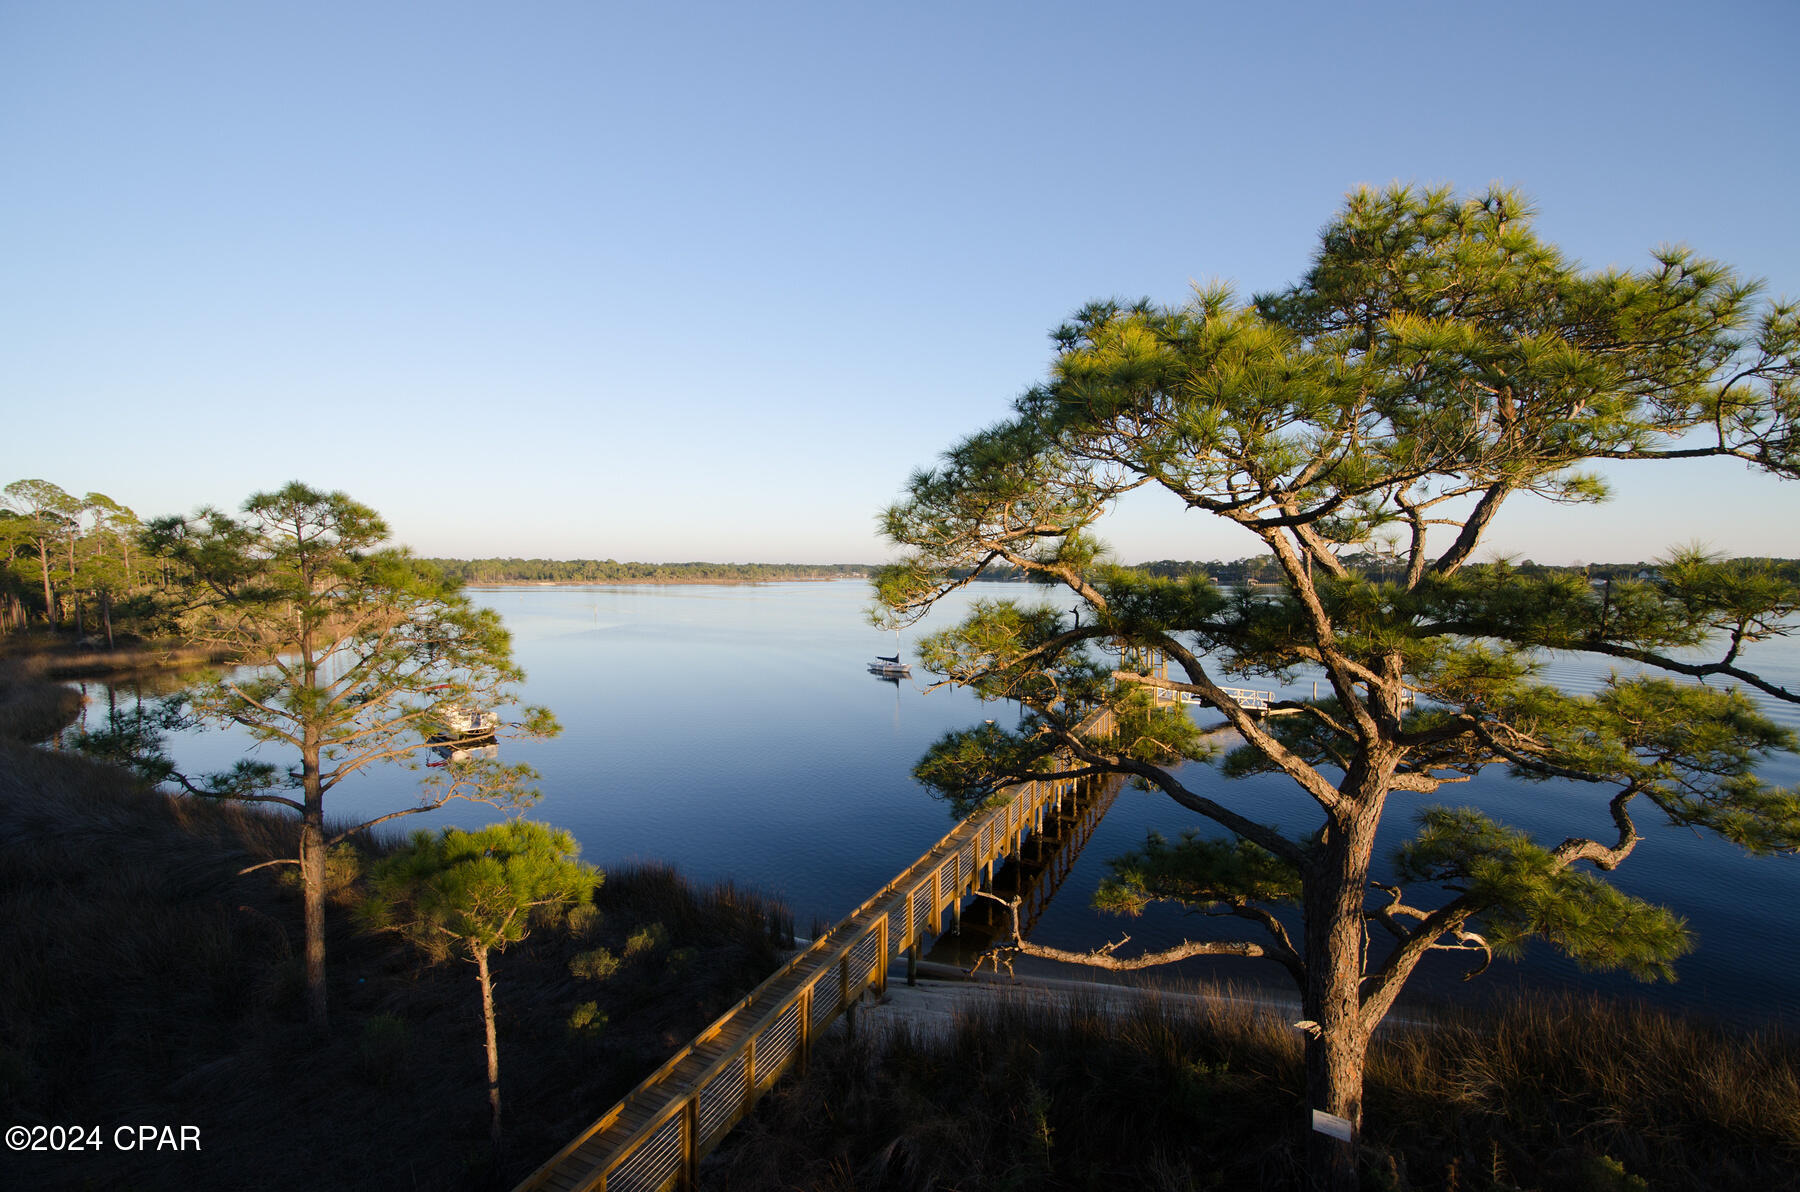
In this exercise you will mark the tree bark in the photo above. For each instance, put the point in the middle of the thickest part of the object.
(74, 595)
(1337, 1040)
(312, 883)
(493, 1044)
(44, 566)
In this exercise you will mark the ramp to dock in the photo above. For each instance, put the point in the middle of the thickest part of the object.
(654, 1138)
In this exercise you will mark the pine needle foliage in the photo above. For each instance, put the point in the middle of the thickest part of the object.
(467, 891)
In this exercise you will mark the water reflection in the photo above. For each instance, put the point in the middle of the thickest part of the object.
(1033, 875)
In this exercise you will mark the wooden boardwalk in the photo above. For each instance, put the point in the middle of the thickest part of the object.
(654, 1138)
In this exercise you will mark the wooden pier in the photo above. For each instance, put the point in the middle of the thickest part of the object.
(655, 1138)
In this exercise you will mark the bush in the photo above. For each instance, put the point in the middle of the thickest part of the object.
(645, 940)
(595, 965)
(586, 1020)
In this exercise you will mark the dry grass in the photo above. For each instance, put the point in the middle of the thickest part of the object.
(1554, 1094)
(1538, 1089)
(1040, 1095)
(147, 981)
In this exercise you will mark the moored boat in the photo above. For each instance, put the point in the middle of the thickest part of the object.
(889, 666)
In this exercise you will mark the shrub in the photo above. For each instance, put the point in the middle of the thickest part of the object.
(646, 939)
(595, 965)
(586, 1020)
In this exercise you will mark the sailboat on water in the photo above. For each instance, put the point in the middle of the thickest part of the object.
(889, 666)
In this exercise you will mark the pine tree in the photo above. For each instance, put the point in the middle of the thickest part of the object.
(360, 655)
(476, 893)
(1438, 361)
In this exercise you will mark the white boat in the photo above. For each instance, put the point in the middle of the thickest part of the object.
(889, 666)
(461, 721)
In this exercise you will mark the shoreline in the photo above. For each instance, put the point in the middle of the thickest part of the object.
(52, 659)
(656, 583)
(36, 699)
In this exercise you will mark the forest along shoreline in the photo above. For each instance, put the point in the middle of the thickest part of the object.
(514, 573)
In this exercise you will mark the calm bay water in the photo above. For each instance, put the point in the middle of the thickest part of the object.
(734, 732)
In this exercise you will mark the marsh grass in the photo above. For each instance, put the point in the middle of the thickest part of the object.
(57, 657)
(33, 708)
(1540, 1089)
(147, 980)
(1542, 1093)
(35, 704)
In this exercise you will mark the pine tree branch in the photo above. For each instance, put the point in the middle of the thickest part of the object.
(1324, 635)
(1309, 779)
(1451, 560)
(1102, 957)
(1383, 985)
(266, 864)
(1576, 848)
(1697, 670)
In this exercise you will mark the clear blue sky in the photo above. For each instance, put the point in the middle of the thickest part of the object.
(707, 281)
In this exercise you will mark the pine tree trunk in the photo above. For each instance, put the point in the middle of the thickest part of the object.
(493, 1044)
(44, 565)
(312, 884)
(1337, 1046)
(74, 595)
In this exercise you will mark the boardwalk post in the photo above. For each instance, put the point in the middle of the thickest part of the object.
(690, 1144)
(750, 1076)
(882, 950)
(937, 900)
(844, 998)
(806, 1027)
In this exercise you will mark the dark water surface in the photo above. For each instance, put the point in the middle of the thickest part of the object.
(735, 732)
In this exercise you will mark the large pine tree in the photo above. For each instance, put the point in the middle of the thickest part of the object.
(1438, 361)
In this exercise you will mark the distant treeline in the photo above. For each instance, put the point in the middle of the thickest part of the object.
(609, 571)
(1264, 569)
(1259, 570)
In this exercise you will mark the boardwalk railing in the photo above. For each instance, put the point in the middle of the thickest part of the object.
(654, 1138)
(1075, 829)
(1248, 698)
